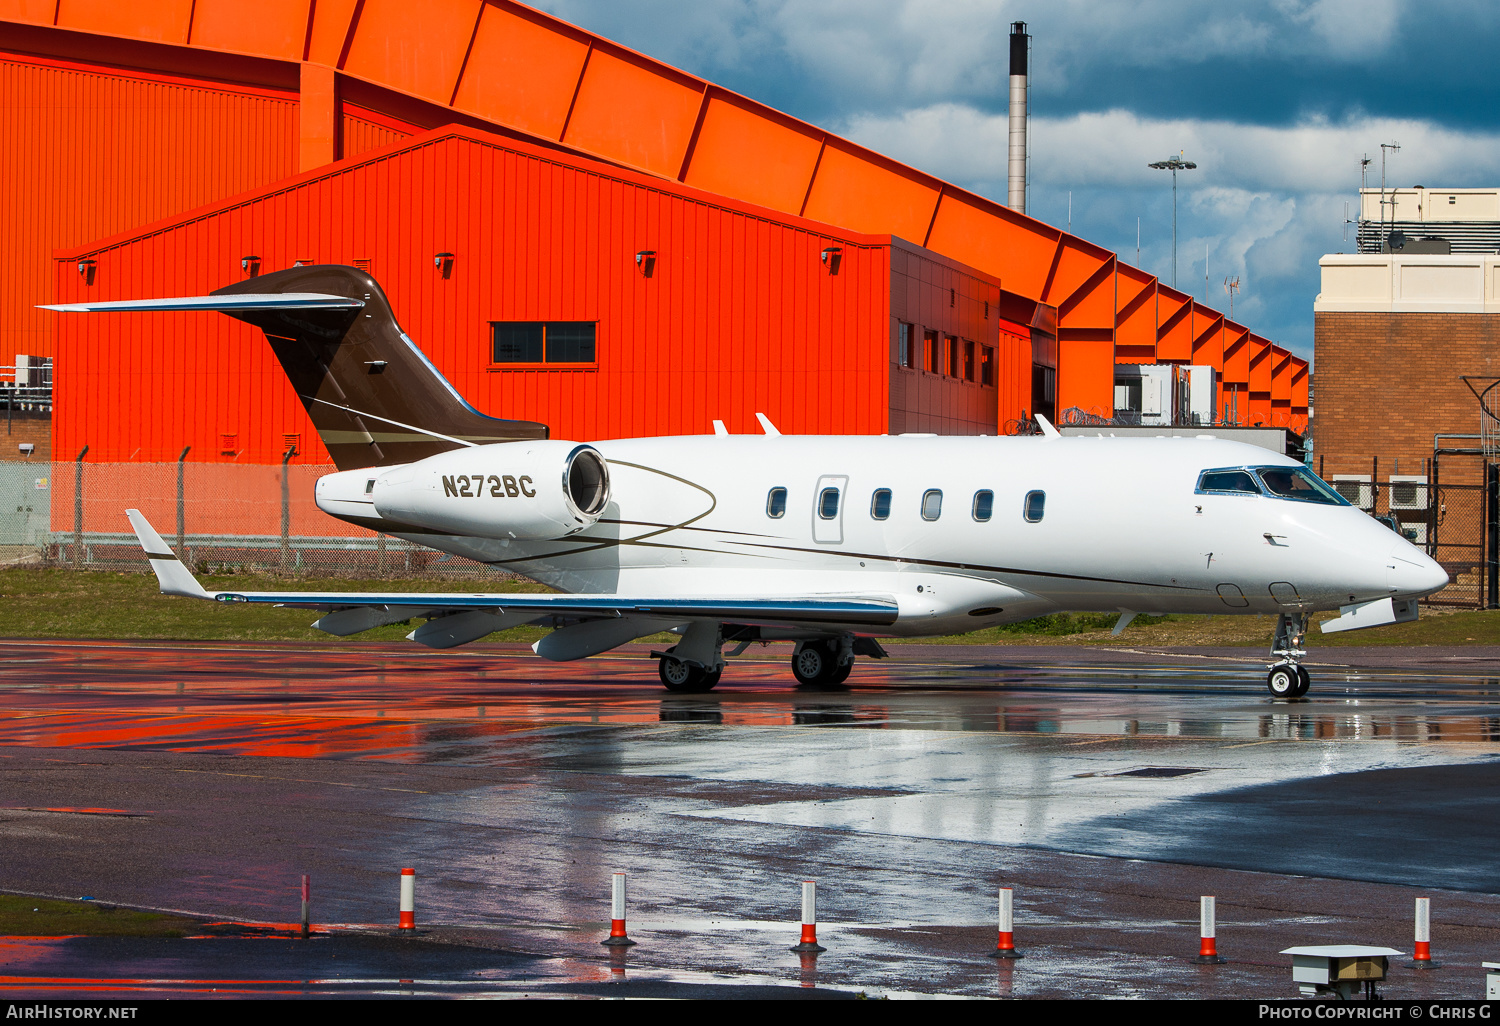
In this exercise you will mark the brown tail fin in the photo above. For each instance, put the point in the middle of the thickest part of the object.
(373, 396)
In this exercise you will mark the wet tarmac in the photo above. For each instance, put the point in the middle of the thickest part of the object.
(1110, 788)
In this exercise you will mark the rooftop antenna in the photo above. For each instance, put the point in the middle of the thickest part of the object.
(1070, 211)
(1364, 179)
(1231, 286)
(1138, 242)
(1393, 147)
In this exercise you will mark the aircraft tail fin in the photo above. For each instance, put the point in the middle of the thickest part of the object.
(171, 575)
(373, 396)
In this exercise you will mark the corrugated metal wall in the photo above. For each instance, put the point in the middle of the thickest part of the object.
(90, 154)
(740, 315)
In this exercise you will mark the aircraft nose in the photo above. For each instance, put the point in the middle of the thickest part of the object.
(1413, 573)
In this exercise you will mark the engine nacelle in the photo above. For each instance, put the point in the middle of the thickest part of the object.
(527, 490)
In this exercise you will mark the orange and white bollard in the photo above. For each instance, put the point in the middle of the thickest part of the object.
(617, 937)
(408, 900)
(809, 940)
(1006, 946)
(306, 905)
(1208, 952)
(1422, 953)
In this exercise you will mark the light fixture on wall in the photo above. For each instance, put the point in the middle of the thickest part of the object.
(250, 265)
(444, 263)
(831, 258)
(86, 268)
(646, 261)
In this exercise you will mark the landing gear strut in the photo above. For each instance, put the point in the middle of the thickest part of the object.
(823, 662)
(1288, 677)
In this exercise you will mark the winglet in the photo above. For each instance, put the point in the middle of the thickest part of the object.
(171, 575)
(1048, 431)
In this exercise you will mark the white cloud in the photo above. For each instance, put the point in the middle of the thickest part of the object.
(1113, 148)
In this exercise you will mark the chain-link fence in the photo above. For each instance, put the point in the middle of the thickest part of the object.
(216, 516)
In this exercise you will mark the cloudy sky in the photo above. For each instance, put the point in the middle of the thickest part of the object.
(1275, 100)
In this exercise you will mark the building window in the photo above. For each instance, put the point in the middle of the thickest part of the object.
(880, 504)
(952, 349)
(933, 358)
(968, 360)
(986, 365)
(932, 504)
(905, 352)
(544, 341)
(776, 503)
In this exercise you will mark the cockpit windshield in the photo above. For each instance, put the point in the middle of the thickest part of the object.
(1299, 483)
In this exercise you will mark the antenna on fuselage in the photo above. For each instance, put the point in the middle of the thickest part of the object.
(1048, 431)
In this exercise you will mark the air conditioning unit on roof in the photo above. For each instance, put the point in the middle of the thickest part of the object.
(1415, 533)
(1358, 489)
(1408, 491)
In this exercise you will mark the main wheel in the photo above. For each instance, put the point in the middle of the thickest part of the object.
(1304, 681)
(683, 678)
(1283, 680)
(813, 663)
(841, 673)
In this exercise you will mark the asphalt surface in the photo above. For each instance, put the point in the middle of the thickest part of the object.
(1109, 788)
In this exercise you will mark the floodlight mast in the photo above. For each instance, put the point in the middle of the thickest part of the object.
(1174, 165)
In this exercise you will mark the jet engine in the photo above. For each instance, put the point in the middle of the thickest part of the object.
(525, 490)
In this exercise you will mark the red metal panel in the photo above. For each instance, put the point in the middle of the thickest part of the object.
(534, 238)
(104, 151)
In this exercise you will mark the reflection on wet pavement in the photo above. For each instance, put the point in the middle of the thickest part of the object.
(1110, 795)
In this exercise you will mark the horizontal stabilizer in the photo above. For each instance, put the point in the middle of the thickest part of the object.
(225, 304)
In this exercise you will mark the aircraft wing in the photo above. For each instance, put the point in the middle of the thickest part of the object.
(225, 304)
(857, 610)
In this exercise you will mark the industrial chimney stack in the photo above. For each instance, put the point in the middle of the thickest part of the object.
(1020, 43)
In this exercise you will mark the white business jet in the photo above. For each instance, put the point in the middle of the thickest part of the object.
(830, 542)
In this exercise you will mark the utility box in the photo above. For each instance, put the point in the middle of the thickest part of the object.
(1407, 491)
(1491, 980)
(1358, 489)
(1341, 969)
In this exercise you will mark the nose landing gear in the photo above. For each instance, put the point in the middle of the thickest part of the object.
(1288, 677)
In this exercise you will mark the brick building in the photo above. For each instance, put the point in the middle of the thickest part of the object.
(1407, 336)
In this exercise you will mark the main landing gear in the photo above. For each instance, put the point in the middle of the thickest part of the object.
(1289, 678)
(825, 662)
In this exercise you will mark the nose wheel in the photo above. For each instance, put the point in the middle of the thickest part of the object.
(1288, 680)
(1288, 677)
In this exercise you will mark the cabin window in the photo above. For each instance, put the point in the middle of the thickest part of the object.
(1034, 507)
(932, 504)
(828, 503)
(776, 503)
(984, 505)
(544, 341)
(880, 504)
(1232, 482)
(1299, 483)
